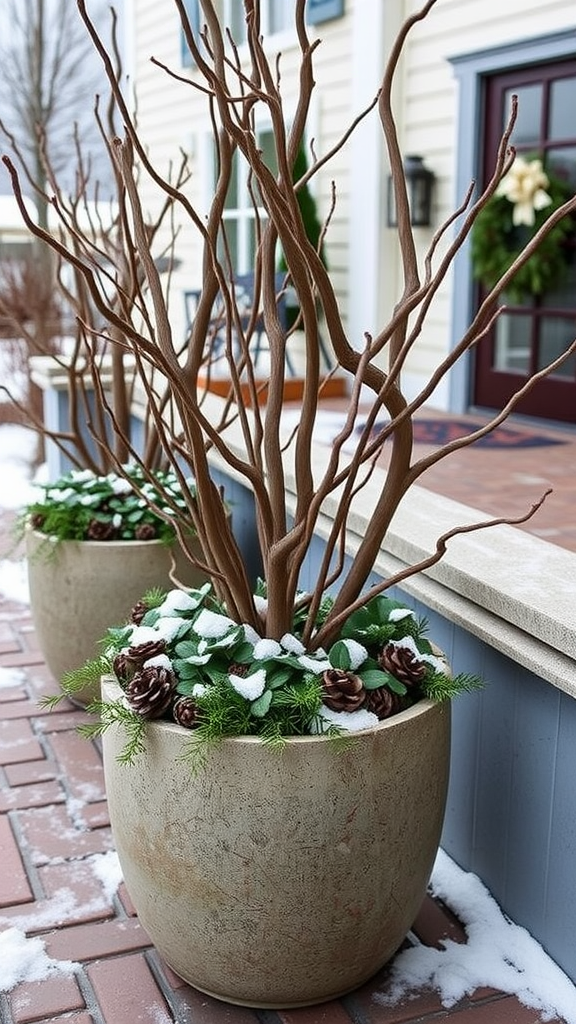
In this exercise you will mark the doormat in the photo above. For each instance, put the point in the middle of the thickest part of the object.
(440, 432)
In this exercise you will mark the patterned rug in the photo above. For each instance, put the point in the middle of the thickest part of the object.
(437, 432)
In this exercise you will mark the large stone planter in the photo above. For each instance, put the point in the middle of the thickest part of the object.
(80, 588)
(280, 878)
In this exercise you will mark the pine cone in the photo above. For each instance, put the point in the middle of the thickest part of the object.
(124, 667)
(100, 531)
(138, 612)
(149, 692)
(402, 663)
(236, 668)
(143, 652)
(145, 532)
(343, 691)
(185, 712)
(127, 663)
(383, 703)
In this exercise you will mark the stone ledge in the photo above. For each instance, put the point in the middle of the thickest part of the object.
(511, 590)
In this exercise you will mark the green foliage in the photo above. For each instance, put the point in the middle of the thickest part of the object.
(439, 687)
(381, 620)
(72, 682)
(240, 684)
(84, 506)
(312, 226)
(116, 713)
(496, 242)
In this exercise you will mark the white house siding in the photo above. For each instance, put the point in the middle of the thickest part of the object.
(171, 114)
(428, 122)
(362, 251)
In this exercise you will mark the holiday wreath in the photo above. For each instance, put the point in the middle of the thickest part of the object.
(524, 199)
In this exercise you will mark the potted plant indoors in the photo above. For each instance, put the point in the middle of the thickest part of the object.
(280, 869)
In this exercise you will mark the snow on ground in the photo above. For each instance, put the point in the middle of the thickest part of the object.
(14, 581)
(25, 959)
(10, 677)
(498, 954)
(17, 450)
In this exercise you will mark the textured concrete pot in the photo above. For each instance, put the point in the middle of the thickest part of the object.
(80, 588)
(280, 878)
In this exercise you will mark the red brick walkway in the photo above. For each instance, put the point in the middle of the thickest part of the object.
(53, 820)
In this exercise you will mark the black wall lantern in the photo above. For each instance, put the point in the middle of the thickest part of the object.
(419, 185)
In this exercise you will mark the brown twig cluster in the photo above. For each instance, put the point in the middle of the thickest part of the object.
(137, 320)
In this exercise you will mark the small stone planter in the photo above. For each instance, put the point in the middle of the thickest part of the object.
(80, 588)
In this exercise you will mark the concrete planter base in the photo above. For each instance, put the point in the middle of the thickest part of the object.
(280, 878)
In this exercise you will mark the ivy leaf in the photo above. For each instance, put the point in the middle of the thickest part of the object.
(373, 678)
(277, 676)
(260, 706)
(184, 671)
(339, 656)
(151, 617)
(186, 649)
(244, 653)
(395, 685)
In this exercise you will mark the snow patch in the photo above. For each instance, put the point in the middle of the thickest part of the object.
(498, 954)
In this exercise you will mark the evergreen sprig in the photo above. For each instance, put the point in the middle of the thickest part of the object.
(439, 687)
(88, 675)
(116, 713)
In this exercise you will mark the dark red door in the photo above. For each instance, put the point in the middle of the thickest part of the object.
(530, 334)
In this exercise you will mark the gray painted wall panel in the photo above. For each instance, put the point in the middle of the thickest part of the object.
(559, 926)
(533, 760)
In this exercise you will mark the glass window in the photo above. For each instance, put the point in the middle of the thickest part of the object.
(512, 344)
(556, 334)
(193, 12)
(233, 17)
(527, 128)
(280, 15)
(239, 213)
(562, 297)
(275, 16)
(562, 162)
(562, 107)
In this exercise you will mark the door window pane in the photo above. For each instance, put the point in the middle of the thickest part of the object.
(512, 344)
(563, 163)
(527, 128)
(556, 334)
(562, 108)
(563, 297)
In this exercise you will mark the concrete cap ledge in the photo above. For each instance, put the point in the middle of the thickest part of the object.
(513, 590)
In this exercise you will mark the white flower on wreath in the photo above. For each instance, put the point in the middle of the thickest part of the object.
(524, 186)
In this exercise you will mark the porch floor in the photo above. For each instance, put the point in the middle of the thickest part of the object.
(500, 480)
(53, 816)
